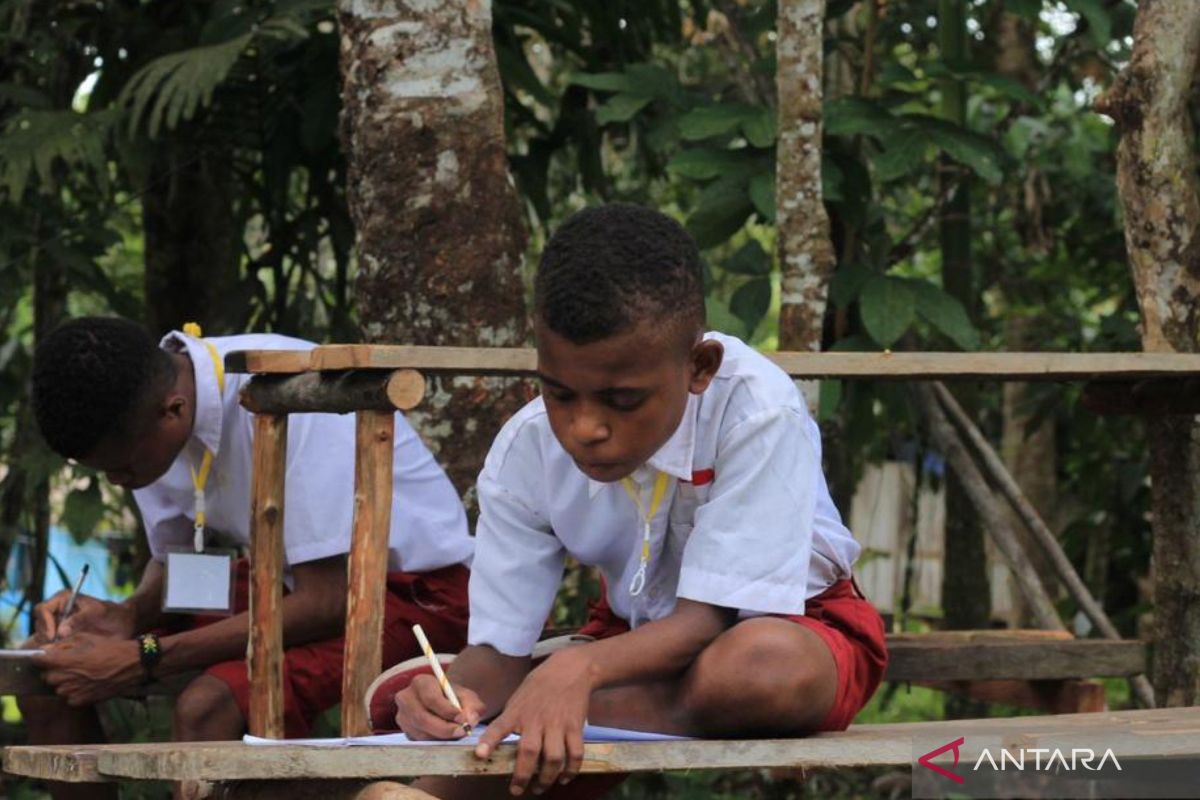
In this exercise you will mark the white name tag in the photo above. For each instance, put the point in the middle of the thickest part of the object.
(199, 582)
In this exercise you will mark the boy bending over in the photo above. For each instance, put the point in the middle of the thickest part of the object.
(150, 416)
(686, 467)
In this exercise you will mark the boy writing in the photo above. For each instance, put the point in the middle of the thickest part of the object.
(163, 419)
(686, 467)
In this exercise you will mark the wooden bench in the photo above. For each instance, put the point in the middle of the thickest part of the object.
(1158, 733)
(374, 381)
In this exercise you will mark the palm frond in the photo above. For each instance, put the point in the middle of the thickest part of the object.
(174, 87)
(34, 140)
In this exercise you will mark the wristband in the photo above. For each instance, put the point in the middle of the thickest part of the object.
(149, 653)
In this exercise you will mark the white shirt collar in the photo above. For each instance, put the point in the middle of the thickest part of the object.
(206, 424)
(675, 456)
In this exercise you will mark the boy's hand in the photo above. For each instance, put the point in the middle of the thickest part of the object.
(548, 711)
(423, 712)
(89, 616)
(88, 668)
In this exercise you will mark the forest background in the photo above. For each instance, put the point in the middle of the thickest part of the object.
(184, 160)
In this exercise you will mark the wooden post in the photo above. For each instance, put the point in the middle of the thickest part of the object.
(368, 564)
(265, 648)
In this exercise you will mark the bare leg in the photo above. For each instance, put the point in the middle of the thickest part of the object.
(49, 720)
(205, 712)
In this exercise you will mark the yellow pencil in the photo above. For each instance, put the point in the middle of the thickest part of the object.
(438, 673)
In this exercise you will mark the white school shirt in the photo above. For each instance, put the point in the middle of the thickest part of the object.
(429, 526)
(747, 522)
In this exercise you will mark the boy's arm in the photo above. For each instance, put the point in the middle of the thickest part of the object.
(86, 668)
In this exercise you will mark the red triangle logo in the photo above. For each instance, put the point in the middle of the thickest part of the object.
(927, 760)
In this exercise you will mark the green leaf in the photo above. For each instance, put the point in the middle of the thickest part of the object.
(759, 127)
(1098, 19)
(703, 163)
(83, 510)
(888, 307)
(708, 121)
(722, 210)
(854, 115)
(1030, 9)
(946, 314)
(847, 283)
(1009, 87)
(719, 318)
(832, 179)
(762, 194)
(604, 81)
(621, 108)
(828, 399)
(978, 152)
(750, 259)
(751, 301)
(902, 153)
(653, 80)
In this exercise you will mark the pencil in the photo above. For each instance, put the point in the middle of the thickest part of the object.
(438, 673)
(71, 598)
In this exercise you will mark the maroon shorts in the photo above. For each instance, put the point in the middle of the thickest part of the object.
(312, 673)
(846, 622)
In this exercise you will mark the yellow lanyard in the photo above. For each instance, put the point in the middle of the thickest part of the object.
(200, 477)
(660, 490)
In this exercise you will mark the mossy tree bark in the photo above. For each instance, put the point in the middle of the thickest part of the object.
(1160, 197)
(440, 234)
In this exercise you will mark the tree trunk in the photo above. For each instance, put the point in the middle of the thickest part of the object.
(193, 241)
(440, 235)
(965, 595)
(1160, 197)
(805, 251)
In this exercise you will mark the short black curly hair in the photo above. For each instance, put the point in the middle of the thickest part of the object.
(609, 267)
(90, 377)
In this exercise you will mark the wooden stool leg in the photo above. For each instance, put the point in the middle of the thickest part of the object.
(265, 650)
(367, 579)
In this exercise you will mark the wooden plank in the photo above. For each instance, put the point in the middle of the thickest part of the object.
(996, 635)
(367, 568)
(1054, 659)
(1052, 697)
(334, 392)
(268, 361)
(1174, 731)
(265, 648)
(884, 366)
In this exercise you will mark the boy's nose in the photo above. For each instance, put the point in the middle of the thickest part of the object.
(590, 429)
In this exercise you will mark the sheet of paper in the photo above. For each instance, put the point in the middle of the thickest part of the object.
(591, 733)
(197, 582)
(18, 654)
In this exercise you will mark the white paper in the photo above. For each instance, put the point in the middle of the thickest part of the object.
(197, 582)
(18, 654)
(591, 733)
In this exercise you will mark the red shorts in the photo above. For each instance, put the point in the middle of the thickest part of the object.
(848, 624)
(312, 673)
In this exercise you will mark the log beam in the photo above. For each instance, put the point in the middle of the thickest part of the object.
(334, 392)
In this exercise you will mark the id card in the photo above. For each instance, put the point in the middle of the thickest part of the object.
(199, 583)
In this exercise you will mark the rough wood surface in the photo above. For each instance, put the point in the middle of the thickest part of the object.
(265, 648)
(934, 659)
(368, 563)
(1173, 731)
(342, 392)
(883, 366)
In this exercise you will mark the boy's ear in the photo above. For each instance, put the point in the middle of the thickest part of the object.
(174, 406)
(706, 358)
